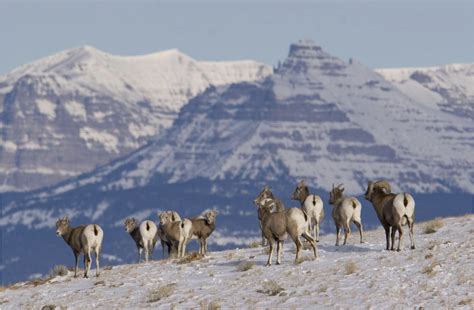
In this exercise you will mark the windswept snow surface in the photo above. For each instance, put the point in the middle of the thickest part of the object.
(438, 274)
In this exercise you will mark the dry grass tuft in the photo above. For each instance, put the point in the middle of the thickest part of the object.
(58, 270)
(53, 307)
(254, 244)
(466, 302)
(429, 255)
(430, 269)
(193, 256)
(304, 259)
(350, 267)
(214, 305)
(433, 226)
(271, 288)
(161, 292)
(244, 266)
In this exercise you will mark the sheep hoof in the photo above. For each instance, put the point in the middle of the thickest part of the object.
(317, 240)
(278, 263)
(268, 265)
(398, 250)
(413, 247)
(86, 276)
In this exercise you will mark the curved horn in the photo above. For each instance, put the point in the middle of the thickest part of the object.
(384, 185)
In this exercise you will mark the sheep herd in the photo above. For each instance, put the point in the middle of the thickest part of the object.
(276, 223)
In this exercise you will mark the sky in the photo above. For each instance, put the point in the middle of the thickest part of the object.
(378, 33)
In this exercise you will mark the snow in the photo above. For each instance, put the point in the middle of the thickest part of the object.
(439, 273)
(76, 109)
(9, 146)
(46, 107)
(107, 140)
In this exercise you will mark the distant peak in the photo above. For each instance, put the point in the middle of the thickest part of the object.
(304, 48)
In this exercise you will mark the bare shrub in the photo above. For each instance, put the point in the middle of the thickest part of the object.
(271, 288)
(58, 270)
(429, 255)
(350, 267)
(244, 266)
(161, 292)
(53, 307)
(433, 226)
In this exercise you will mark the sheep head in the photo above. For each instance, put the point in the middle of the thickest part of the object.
(266, 193)
(211, 216)
(336, 193)
(62, 225)
(376, 186)
(301, 192)
(130, 224)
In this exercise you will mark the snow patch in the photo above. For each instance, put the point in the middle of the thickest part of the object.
(76, 109)
(46, 107)
(138, 131)
(108, 141)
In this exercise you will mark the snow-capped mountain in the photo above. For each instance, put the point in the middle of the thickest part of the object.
(67, 113)
(316, 118)
(449, 88)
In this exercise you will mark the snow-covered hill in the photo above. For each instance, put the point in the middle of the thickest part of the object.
(67, 113)
(449, 88)
(438, 274)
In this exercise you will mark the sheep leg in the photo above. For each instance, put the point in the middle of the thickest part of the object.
(316, 226)
(410, 231)
(163, 248)
(347, 232)
(400, 237)
(76, 256)
(97, 254)
(313, 244)
(338, 234)
(87, 262)
(184, 246)
(139, 254)
(394, 230)
(270, 255)
(145, 249)
(279, 247)
(361, 232)
(298, 248)
(387, 235)
(205, 246)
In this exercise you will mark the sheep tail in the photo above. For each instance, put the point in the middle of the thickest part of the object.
(147, 226)
(96, 231)
(314, 200)
(405, 199)
(354, 204)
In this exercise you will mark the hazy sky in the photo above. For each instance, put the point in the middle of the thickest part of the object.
(378, 33)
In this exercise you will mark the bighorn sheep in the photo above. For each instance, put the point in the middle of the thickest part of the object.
(174, 216)
(345, 210)
(174, 233)
(312, 205)
(393, 211)
(145, 236)
(83, 239)
(202, 228)
(276, 226)
(265, 196)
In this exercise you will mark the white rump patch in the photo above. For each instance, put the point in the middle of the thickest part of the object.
(47, 108)
(91, 135)
(76, 110)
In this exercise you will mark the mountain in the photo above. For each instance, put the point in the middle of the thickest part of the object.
(437, 274)
(449, 88)
(316, 118)
(73, 111)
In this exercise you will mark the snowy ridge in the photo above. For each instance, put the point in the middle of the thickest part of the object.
(449, 88)
(85, 101)
(439, 273)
